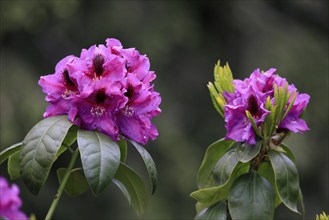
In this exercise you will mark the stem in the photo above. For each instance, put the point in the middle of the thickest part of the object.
(62, 185)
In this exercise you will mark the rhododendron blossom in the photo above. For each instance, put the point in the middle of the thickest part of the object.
(108, 88)
(251, 95)
(10, 202)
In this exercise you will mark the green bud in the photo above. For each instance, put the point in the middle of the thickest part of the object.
(322, 216)
(223, 83)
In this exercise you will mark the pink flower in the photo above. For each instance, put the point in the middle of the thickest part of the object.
(10, 202)
(60, 88)
(108, 88)
(251, 95)
(134, 120)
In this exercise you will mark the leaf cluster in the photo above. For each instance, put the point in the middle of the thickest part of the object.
(244, 181)
(103, 161)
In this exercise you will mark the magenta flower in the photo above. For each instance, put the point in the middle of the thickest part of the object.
(292, 121)
(134, 120)
(108, 88)
(60, 88)
(97, 111)
(10, 202)
(251, 95)
(238, 126)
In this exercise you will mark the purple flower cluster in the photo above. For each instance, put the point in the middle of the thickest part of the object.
(10, 202)
(251, 95)
(108, 88)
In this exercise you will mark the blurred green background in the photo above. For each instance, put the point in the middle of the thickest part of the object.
(183, 39)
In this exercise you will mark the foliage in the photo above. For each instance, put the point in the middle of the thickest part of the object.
(102, 159)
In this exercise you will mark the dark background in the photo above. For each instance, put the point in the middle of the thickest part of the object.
(183, 39)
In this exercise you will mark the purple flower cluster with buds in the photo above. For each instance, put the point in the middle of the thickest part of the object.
(10, 202)
(108, 88)
(251, 95)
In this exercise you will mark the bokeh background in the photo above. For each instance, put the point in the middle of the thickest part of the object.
(183, 39)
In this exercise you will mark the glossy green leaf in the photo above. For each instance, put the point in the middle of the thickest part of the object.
(251, 197)
(132, 187)
(5, 154)
(123, 149)
(301, 202)
(100, 157)
(214, 152)
(286, 177)
(69, 139)
(71, 136)
(123, 189)
(289, 153)
(60, 151)
(217, 211)
(149, 163)
(76, 184)
(39, 149)
(265, 170)
(13, 166)
(246, 152)
(200, 206)
(225, 166)
(211, 195)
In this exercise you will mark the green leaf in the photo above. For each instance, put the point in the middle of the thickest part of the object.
(286, 177)
(39, 149)
(5, 154)
(253, 123)
(100, 157)
(123, 149)
(69, 139)
(209, 196)
(76, 184)
(225, 166)
(214, 152)
(269, 123)
(290, 105)
(289, 153)
(246, 152)
(13, 166)
(217, 211)
(251, 197)
(200, 206)
(265, 170)
(214, 95)
(71, 136)
(149, 163)
(301, 202)
(132, 187)
(123, 189)
(60, 151)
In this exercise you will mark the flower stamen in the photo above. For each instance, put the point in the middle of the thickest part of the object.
(128, 111)
(97, 111)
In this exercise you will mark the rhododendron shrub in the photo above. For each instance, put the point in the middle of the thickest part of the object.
(250, 172)
(98, 100)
